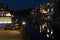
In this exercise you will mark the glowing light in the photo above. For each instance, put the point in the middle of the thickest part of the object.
(48, 30)
(44, 11)
(23, 22)
(8, 22)
(47, 35)
(8, 14)
(51, 32)
(44, 25)
(5, 20)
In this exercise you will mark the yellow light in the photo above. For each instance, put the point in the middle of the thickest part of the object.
(47, 35)
(8, 14)
(44, 25)
(43, 11)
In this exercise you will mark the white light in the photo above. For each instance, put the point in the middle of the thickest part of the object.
(23, 22)
(52, 9)
(48, 30)
(3, 22)
(9, 22)
(51, 32)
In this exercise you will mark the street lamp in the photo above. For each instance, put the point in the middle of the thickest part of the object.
(23, 22)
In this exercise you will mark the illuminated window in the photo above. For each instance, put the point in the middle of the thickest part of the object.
(5, 20)
(8, 14)
(43, 11)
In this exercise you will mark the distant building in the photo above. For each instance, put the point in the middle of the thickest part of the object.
(5, 16)
(47, 10)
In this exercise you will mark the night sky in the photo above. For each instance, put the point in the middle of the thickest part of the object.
(23, 4)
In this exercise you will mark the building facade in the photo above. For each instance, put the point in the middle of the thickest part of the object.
(5, 16)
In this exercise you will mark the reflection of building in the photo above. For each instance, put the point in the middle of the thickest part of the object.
(5, 16)
(47, 10)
